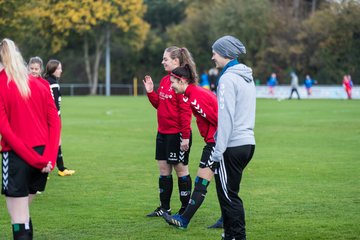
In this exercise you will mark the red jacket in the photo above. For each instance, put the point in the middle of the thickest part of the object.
(205, 108)
(28, 123)
(347, 84)
(173, 113)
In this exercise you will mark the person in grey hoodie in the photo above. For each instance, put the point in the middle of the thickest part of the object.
(294, 85)
(235, 140)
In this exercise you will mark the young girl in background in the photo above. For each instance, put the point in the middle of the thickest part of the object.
(52, 75)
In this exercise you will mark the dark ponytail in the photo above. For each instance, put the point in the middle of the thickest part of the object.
(184, 72)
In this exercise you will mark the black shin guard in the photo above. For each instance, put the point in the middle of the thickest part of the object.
(184, 184)
(165, 188)
(197, 197)
(22, 231)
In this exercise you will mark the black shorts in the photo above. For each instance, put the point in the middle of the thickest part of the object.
(205, 157)
(19, 179)
(168, 148)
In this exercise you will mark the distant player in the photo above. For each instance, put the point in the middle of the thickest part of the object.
(294, 85)
(348, 84)
(272, 82)
(52, 75)
(308, 82)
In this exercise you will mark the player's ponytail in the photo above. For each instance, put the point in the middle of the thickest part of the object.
(184, 72)
(14, 66)
(185, 58)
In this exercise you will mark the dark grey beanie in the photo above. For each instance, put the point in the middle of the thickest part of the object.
(229, 47)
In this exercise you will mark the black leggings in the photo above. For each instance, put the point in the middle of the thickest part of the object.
(228, 182)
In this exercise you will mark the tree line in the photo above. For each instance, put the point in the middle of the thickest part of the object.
(316, 37)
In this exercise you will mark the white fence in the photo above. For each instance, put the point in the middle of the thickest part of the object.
(318, 92)
(280, 92)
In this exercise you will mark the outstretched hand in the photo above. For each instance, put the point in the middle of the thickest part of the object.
(148, 83)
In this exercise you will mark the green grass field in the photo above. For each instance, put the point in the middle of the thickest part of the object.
(303, 182)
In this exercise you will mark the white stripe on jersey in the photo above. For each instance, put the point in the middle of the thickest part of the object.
(52, 93)
(55, 85)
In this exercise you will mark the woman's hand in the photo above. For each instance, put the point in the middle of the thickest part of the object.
(148, 83)
(47, 169)
(184, 145)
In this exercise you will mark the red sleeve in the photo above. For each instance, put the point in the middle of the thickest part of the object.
(184, 115)
(154, 99)
(25, 152)
(54, 126)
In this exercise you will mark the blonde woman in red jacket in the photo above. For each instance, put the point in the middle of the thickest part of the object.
(173, 139)
(30, 129)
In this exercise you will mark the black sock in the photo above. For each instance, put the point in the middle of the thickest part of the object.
(31, 228)
(21, 231)
(197, 197)
(184, 184)
(59, 160)
(165, 188)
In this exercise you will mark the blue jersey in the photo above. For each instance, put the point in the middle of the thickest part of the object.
(272, 82)
(308, 82)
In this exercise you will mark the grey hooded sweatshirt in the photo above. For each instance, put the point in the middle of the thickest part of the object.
(236, 110)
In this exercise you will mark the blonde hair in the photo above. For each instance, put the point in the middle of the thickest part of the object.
(185, 58)
(14, 66)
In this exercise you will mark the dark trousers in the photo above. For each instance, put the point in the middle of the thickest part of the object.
(228, 178)
(292, 91)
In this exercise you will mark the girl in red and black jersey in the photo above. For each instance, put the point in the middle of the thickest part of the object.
(204, 107)
(30, 129)
(173, 139)
(53, 72)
